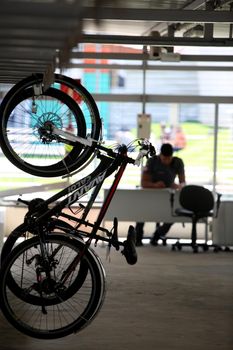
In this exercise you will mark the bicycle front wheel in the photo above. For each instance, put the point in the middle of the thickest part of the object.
(27, 143)
(81, 98)
(26, 265)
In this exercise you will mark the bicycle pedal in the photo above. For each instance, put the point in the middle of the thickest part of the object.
(129, 250)
(130, 253)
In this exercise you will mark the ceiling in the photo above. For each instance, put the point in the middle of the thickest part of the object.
(39, 35)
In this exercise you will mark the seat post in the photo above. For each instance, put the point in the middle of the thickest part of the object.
(194, 230)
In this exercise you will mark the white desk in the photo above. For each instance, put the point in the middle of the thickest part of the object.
(151, 205)
(223, 224)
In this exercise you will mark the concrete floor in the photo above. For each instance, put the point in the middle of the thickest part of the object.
(168, 300)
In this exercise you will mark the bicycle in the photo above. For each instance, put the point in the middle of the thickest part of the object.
(54, 284)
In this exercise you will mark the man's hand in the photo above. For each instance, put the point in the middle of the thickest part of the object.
(159, 184)
(177, 186)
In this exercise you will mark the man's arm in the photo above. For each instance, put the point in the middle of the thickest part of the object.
(181, 178)
(180, 174)
(146, 181)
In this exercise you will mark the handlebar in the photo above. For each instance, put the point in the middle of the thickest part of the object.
(146, 149)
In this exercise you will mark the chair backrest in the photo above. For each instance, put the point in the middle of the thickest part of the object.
(196, 198)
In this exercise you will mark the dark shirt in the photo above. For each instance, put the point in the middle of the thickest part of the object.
(165, 173)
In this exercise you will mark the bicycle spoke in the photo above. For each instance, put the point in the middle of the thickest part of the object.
(59, 309)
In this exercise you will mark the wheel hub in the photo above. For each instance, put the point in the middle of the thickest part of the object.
(44, 127)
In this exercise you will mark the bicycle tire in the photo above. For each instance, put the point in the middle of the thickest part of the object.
(23, 232)
(85, 103)
(73, 88)
(27, 143)
(55, 321)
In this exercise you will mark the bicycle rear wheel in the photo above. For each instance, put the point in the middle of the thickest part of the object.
(23, 232)
(82, 99)
(26, 141)
(51, 321)
(55, 226)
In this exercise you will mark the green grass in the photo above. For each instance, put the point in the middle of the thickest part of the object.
(18, 182)
(199, 152)
(200, 146)
(200, 143)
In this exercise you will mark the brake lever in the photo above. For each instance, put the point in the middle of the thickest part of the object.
(146, 150)
(140, 156)
(152, 150)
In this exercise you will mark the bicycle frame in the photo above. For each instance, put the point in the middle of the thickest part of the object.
(109, 163)
(95, 180)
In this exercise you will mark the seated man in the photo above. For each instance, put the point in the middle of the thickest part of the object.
(161, 172)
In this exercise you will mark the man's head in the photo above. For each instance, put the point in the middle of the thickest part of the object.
(166, 153)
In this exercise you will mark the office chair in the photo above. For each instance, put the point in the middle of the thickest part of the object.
(197, 203)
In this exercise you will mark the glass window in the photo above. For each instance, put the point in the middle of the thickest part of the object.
(224, 175)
